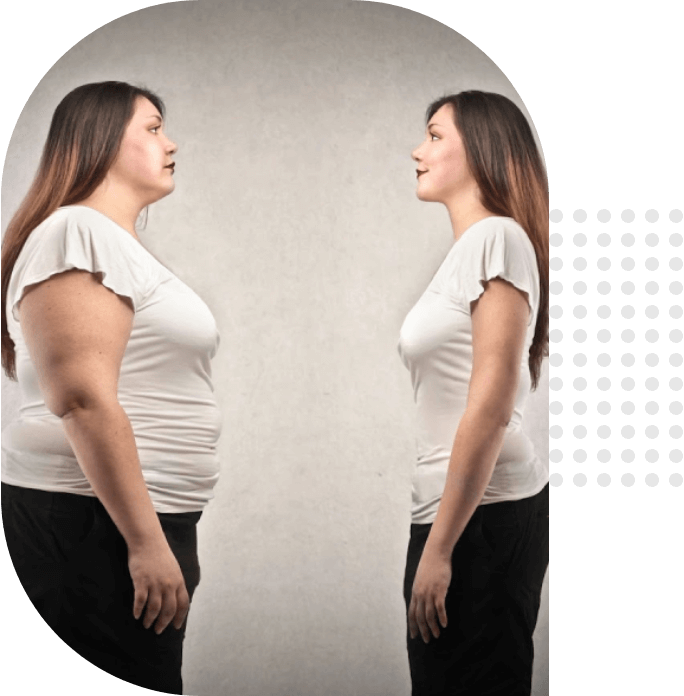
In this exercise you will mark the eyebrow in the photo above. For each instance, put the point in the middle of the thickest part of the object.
(159, 118)
(434, 125)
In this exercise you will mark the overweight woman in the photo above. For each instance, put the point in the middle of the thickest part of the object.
(114, 456)
(474, 344)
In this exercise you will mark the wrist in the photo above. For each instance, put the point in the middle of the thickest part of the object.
(148, 541)
(438, 549)
(142, 532)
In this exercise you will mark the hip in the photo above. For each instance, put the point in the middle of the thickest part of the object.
(501, 542)
(72, 533)
(175, 483)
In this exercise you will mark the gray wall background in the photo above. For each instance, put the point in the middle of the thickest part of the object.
(295, 218)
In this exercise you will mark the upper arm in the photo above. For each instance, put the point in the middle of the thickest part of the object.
(76, 331)
(500, 319)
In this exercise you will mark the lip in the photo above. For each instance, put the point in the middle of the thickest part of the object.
(171, 166)
(420, 172)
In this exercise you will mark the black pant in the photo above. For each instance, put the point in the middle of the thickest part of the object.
(73, 563)
(498, 568)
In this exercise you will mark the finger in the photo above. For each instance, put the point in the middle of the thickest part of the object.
(168, 611)
(154, 605)
(431, 618)
(422, 623)
(139, 601)
(441, 611)
(413, 624)
(182, 606)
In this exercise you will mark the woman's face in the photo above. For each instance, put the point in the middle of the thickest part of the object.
(144, 164)
(443, 172)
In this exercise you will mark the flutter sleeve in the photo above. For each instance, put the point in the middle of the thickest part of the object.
(85, 240)
(500, 250)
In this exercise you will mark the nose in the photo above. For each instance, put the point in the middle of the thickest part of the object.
(415, 155)
(171, 147)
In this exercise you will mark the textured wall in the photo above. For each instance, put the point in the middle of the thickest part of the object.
(295, 219)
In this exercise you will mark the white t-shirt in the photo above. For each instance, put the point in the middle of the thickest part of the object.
(165, 383)
(436, 346)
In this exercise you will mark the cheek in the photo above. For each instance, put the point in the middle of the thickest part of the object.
(141, 148)
(143, 152)
(453, 166)
(442, 173)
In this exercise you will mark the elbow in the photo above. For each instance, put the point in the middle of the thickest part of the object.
(73, 403)
(65, 408)
(492, 416)
(66, 411)
(492, 395)
(503, 412)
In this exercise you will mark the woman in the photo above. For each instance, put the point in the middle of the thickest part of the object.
(474, 343)
(114, 457)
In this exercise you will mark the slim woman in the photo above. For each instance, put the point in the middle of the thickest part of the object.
(114, 456)
(474, 344)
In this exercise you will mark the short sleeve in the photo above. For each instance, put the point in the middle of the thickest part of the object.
(78, 238)
(501, 249)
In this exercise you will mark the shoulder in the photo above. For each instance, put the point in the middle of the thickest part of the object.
(496, 247)
(497, 233)
(497, 243)
(80, 222)
(82, 238)
(84, 235)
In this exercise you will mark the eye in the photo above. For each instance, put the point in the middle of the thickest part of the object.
(434, 137)
(155, 129)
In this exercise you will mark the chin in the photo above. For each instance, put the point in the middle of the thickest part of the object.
(162, 193)
(168, 189)
(425, 197)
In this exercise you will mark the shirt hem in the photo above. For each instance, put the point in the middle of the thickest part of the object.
(430, 518)
(159, 507)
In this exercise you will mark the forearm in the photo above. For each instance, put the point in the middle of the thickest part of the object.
(476, 447)
(103, 442)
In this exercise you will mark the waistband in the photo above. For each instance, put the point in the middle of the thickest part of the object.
(50, 500)
(534, 503)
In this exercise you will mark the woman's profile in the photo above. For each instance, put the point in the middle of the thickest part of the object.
(114, 457)
(474, 344)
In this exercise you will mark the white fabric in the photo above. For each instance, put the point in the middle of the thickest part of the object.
(165, 383)
(436, 346)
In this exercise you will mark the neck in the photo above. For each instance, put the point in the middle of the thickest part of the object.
(465, 212)
(123, 209)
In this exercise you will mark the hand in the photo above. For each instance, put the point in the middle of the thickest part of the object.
(158, 583)
(427, 609)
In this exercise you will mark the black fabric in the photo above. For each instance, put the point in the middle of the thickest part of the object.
(492, 604)
(73, 563)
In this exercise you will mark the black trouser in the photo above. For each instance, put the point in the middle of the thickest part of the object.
(73, 564)
(498, 568)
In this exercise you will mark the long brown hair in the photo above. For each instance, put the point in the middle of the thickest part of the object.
(83, 141)
(503, 157)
